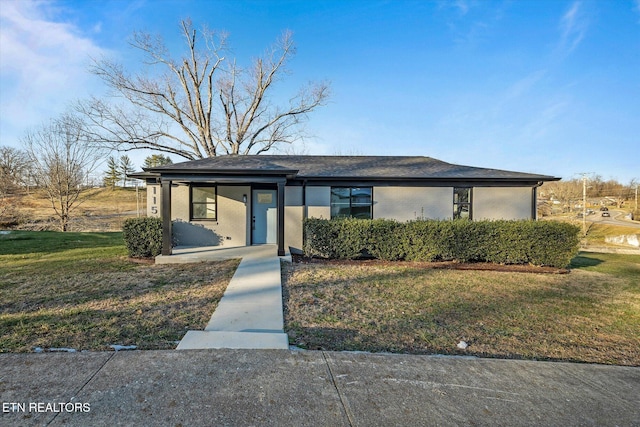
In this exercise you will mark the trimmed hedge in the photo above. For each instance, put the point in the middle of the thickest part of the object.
(143, 237)
(505, 242)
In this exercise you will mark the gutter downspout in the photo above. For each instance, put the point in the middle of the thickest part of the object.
(534, 200)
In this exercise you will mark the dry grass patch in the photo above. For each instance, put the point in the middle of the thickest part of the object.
(149, 306)
(77, 290)
(105, 209)
(589, 315)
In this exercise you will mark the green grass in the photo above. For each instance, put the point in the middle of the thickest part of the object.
(591, 314)
(79, 290)
(18, 243)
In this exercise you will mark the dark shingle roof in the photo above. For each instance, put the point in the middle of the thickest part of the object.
(344, 167)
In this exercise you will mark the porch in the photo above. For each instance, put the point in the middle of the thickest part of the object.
(210, 210)
(193, 254)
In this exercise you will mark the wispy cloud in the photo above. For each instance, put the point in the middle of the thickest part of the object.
(545, 121)
(461, 6)
(472, 22)
(573, 27)
(42, 65)
(524, 85)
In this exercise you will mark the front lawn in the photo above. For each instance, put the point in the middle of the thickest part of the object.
(591, 314)
(78, 290)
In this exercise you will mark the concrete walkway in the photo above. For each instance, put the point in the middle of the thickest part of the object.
(309, 388)
(249, 315)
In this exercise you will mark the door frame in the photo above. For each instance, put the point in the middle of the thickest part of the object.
(254, 204)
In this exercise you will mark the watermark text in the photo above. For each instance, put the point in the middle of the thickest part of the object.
(36, 407)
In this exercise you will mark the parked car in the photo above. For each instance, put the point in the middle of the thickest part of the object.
(605, 213)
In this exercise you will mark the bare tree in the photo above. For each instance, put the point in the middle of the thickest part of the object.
(13, 165)
(202, 104)
(13, 169)
(568, 193)
(13, 176)
(60, 156)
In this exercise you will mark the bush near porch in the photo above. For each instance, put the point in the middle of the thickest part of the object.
(143, 237)
(505, 242)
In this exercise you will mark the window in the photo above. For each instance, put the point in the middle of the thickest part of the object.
(461, 203)
(355, 202)
(203, 202)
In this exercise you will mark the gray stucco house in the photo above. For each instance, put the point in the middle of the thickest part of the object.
(247, 200)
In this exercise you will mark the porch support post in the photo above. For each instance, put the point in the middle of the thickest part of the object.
(534, 201)
(280, 238)
(165, 214)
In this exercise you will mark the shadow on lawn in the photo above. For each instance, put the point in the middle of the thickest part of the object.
(583, 261)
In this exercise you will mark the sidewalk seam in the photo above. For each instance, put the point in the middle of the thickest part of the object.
(84, 385)
(343, 400)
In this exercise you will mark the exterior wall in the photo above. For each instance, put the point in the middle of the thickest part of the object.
(410, 203)
(318, 202)
(501, 203)
(293, 215)
(400, 203)
(231, 227)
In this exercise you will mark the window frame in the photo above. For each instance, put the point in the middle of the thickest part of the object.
(468, 203)
(192, 203)
(351, 201)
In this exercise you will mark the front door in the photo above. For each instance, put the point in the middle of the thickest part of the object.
(264, 221)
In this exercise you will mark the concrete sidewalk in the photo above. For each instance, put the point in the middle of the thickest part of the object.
(309, 388)
(249, 315)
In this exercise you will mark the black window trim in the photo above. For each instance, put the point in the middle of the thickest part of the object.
(469, 203)
(351, 187)
(191, 202)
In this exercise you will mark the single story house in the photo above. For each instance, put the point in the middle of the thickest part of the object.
(257, 199)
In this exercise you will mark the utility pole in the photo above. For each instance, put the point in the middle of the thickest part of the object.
(584, 203)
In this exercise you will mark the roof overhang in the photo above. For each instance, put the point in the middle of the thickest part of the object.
(224, 179)
(330, 170)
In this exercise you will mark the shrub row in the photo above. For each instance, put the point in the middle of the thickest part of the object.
(143, 237)
(506, 242)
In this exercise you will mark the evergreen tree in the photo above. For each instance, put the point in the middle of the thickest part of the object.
(112, 175)
(156, 160)
(126, 168)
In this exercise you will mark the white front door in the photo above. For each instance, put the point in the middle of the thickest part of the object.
(264, 216)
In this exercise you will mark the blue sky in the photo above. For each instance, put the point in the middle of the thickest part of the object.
(550, 87)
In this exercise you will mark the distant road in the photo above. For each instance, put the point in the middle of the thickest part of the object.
(614, 219)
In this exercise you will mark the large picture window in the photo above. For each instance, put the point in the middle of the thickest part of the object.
(203, 202)
(355, 202)
(462, 203)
